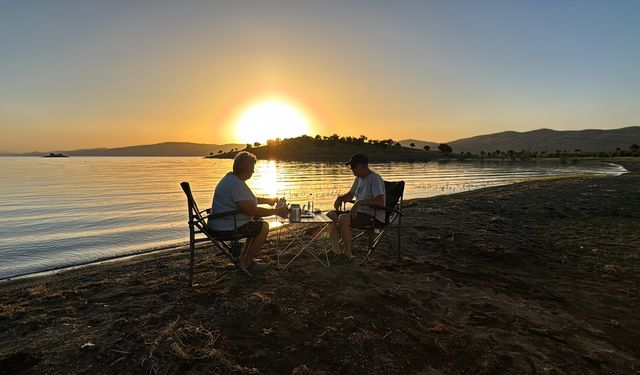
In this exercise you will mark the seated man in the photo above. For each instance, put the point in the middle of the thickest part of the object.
(368, 190)
(232, 193)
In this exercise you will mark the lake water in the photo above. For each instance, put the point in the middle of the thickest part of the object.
(57, 212)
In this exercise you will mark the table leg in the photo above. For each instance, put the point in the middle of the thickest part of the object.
(307, 246)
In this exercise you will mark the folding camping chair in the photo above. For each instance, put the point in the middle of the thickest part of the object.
(230, 244)
(394, 192)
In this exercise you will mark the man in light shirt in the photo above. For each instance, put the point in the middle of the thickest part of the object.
(232, 193)
(368, 190)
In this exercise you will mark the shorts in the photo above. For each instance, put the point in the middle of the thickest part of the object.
(362, 220)
(250, 229)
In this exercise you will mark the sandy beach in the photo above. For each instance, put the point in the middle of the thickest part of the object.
(535, 277)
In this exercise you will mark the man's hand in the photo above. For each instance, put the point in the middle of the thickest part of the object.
(337, 203)
(282, 212)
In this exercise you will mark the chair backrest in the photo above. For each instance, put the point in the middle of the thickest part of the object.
(393, 197)
(194, 212)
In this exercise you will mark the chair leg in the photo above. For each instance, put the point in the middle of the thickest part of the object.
(192, 250)
(372, 246)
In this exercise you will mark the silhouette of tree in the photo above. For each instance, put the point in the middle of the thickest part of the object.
(445, 148)
(426, 147)
(412, 145)
(219, 151)
(211, 153)
(256, 144)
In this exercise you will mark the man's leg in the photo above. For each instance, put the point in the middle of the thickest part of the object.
(344, 222)
(334, 233)
(253, 246)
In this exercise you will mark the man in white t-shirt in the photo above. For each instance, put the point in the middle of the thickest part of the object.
(232, 193)
(369, 191)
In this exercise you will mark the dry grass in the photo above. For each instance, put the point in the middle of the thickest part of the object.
(9, 311)
(185, 342)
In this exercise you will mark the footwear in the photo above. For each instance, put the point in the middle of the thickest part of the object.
(341, 259)
(236, 249)
(332, 254)
(257, 267)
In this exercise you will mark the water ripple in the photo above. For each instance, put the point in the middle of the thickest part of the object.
(60, 212)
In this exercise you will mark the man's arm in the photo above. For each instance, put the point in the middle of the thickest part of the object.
(341, 199)
(378, 200)
(269, 201)
(248, 207)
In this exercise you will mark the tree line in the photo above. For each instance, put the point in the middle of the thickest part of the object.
(335, 139)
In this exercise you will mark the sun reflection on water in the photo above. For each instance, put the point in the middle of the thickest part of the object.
(265, 179)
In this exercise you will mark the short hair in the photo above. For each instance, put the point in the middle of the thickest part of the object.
(243, 162)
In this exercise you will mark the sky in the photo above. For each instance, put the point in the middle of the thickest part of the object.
(84, 74)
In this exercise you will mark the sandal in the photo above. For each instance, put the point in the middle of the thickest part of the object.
(332, 254)
(341, 259)
(257, 267)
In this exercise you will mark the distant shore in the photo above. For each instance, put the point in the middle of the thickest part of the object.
(533, 277)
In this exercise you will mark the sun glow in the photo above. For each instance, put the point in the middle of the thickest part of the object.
(270, 119)
(265, 179)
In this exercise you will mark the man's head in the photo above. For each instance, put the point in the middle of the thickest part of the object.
(359, 164)
(243, 165)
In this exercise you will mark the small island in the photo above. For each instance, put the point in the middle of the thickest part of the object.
(331, 149)
(54, 155)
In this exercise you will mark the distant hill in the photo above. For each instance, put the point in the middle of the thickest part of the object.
(551, 140)
(536, 140)
(419, 144)
(159, 149)
(543, 140)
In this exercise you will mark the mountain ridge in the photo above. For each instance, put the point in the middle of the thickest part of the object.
(547, 140)
(543, 139)
(156, 149)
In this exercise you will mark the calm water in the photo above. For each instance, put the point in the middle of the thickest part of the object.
(59, 212)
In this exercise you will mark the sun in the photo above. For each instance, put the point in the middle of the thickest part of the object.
(270, 119)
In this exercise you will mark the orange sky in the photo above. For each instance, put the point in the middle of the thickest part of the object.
(81, 75)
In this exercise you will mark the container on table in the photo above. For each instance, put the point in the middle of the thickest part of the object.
(295, 213)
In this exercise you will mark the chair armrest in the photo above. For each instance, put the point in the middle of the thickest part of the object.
(221, 214)
(214, 216)
(388, 210)
(377, 207)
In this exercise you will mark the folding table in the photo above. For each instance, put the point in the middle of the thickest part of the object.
(320, 221)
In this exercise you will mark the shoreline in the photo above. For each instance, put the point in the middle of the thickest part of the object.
(535, 277)
(89, 263)
(184, 246)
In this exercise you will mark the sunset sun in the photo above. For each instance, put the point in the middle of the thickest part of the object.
(270, 119)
